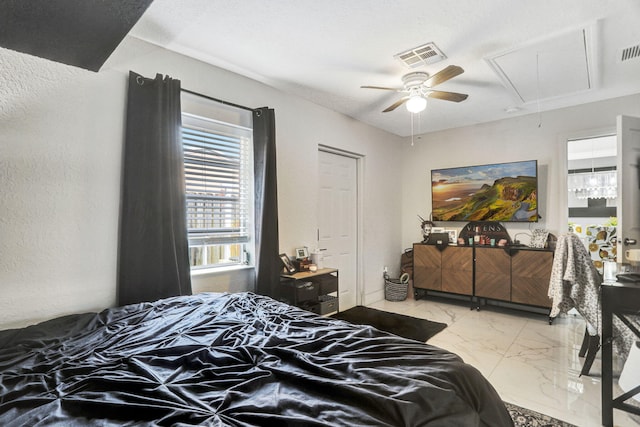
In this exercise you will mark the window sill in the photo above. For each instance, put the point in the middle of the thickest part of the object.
(218, 270)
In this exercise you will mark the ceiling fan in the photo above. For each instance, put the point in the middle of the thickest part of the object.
(417, 86)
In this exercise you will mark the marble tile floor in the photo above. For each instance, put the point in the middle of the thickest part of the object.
(529, 362)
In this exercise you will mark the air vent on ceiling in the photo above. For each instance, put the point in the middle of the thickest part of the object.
(630, 53)
(421, 55)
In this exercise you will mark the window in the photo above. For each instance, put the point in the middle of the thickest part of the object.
(218, 162)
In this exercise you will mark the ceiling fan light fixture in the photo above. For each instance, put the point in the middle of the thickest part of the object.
(416, 104)
(418, 86)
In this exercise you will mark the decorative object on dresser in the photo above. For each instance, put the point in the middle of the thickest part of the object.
(426, 227)
(484, 232)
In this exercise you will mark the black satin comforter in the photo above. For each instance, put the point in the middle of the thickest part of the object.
(232, 359)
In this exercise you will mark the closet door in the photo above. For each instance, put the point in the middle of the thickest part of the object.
(338, 221)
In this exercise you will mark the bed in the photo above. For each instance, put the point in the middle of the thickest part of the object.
(232, 359)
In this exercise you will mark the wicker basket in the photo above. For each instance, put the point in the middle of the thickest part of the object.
(396, 289)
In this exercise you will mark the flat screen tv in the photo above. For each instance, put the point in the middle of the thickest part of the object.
(506, 192)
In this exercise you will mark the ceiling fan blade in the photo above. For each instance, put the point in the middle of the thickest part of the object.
(396, 104)
(383, 88)
(443, 75)
(447, 96)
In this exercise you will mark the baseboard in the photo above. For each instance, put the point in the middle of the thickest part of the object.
(372, 297)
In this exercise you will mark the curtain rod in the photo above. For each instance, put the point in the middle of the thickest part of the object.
(217, 100)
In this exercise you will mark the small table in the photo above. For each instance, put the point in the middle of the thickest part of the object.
(620, 299)
(316, 296)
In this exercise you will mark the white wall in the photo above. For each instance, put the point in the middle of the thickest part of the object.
(508, 140)
(61, 133)
(61, 138)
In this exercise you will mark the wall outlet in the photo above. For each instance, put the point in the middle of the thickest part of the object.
(385, 269)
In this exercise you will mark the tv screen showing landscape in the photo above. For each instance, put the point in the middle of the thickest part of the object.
(505, 192)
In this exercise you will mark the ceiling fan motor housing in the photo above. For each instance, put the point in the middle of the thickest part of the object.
(415, 79)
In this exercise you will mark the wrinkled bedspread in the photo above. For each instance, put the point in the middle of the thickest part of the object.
(232, 359)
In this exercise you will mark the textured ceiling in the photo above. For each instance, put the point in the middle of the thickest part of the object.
(82, 33)
(520, 57)
(325, 50)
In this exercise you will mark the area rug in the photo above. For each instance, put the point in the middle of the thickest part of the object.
(398, 324)
(523, 417)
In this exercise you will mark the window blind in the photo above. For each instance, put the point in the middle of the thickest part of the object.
(217, 181)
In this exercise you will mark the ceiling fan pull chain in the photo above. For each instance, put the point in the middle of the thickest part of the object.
(411, 129)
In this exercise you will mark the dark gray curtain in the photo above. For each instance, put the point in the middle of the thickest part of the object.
(153, 248)
(267, 262)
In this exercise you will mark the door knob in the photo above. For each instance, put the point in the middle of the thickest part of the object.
(628, 241)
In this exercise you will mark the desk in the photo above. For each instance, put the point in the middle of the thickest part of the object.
(619, 299)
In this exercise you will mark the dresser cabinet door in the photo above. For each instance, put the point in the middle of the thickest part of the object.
(457, 270)
(427, 269)
(493, 273)
(530, 273)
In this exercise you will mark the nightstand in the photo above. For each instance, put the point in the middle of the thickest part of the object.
(314, 291)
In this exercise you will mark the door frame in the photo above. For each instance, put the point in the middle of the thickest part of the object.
(563, 166)
(359, 158)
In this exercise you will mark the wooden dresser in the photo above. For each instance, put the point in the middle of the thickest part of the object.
(517, 275)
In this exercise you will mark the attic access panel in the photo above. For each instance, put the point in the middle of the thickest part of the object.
(82, 33)
(551, 68)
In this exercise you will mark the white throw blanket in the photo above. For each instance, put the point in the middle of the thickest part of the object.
(575, 283)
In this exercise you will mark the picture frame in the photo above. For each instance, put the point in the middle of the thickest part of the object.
(453, 236)
(288, 265)
(302, 253)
